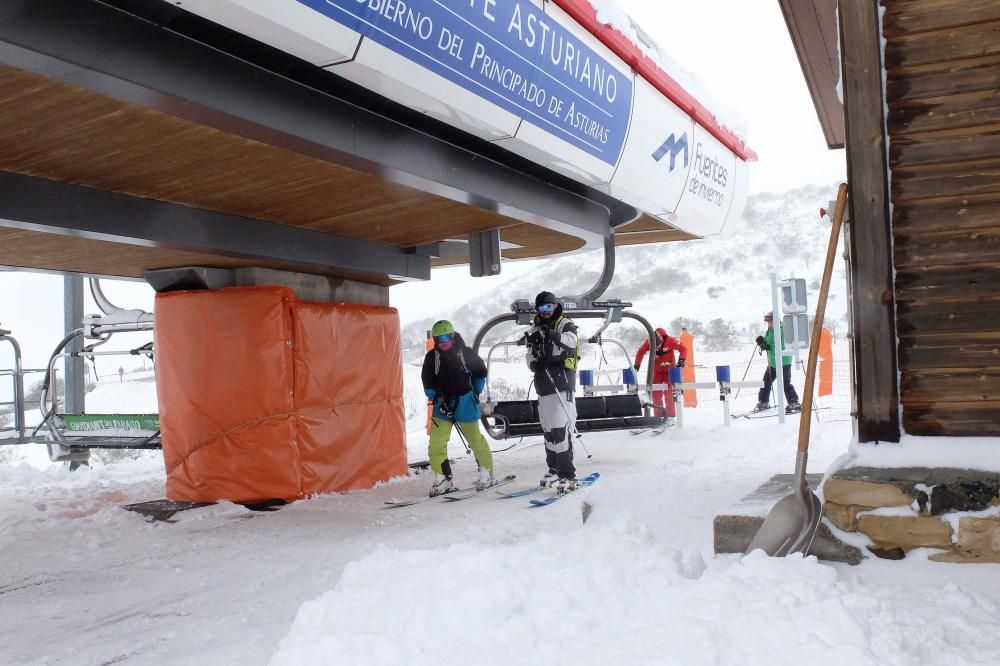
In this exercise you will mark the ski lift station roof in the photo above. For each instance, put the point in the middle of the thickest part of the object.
(364, 140)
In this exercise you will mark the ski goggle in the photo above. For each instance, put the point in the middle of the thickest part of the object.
(443, 339)
(546, 308)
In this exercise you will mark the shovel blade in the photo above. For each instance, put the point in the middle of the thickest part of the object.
(790, 526)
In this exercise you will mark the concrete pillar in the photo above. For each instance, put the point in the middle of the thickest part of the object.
(314, 288)
(307, 287)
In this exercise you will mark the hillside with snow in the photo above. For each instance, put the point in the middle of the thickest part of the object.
(723, 279)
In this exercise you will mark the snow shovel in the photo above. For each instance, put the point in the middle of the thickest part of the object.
(792, 523)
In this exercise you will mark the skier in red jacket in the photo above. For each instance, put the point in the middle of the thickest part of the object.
(663, 360)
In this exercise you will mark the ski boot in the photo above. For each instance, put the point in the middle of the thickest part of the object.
(485, 480)
(442, 485)
(761, 406)
(793, 408)
(566, 486)
(549, 479)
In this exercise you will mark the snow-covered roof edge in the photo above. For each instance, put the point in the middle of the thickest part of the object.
(616, 31)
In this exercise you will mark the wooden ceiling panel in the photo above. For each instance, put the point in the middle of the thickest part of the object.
(35, 250)
(59, 132)
(648, 229)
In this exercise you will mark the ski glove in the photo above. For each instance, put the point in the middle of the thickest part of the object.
(680, 363)
(762, 343)
(636, 367)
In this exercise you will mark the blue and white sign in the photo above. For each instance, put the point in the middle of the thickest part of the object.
(508, 52)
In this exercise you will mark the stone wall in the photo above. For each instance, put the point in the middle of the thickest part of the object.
(900, 509)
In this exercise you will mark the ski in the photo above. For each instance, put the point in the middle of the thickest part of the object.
(658, 430)
(520, 493)
(394, 504)
(756, 413)
(764, 414)
(772, 412)
(585, 482)
(462, 493)
(466, 494)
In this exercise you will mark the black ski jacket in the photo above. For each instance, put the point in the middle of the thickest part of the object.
(453, 373)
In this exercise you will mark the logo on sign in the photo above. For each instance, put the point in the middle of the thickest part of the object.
(673, 146)
(710, 178)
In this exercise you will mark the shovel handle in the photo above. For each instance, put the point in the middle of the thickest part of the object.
(805, 420)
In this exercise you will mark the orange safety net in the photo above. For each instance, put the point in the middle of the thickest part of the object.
(687, 372)
(825, 362)
(263, 396)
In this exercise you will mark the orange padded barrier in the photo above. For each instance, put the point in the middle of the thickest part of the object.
(687, 372)
(263, 396)
(825, 362)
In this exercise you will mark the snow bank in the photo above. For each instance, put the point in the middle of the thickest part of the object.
(617, 595)
(949, 452)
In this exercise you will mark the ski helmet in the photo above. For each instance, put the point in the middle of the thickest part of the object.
(548, 298)
(442, 327)
(769, 316)
(545, 297)
(444, 334)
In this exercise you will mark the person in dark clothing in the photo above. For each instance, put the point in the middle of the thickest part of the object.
(553, 352)
(767, 343)
(453, 377)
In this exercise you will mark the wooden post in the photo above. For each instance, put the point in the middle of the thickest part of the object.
(874, 322)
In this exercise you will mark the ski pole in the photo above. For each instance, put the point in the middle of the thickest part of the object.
(745, 372)
(461, 436)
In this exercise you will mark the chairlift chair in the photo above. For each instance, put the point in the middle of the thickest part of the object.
(620, 409)
(69, 437)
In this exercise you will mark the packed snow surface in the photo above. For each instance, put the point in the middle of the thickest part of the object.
(339, 579)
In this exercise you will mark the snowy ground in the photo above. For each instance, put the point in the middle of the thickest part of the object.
(341, 580)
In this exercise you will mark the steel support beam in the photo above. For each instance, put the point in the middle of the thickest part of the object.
(97, 47)
(36, 204)
(76, 389)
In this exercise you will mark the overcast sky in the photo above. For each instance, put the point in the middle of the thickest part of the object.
(741, 53)
(742, 57)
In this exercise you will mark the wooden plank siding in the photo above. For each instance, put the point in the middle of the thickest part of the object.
(942, 62)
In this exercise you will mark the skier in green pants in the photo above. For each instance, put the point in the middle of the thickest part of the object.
(453, 377)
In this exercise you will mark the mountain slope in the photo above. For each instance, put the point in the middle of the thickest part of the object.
(720, 283)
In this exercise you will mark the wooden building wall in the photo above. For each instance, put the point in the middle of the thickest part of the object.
(943, 94)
